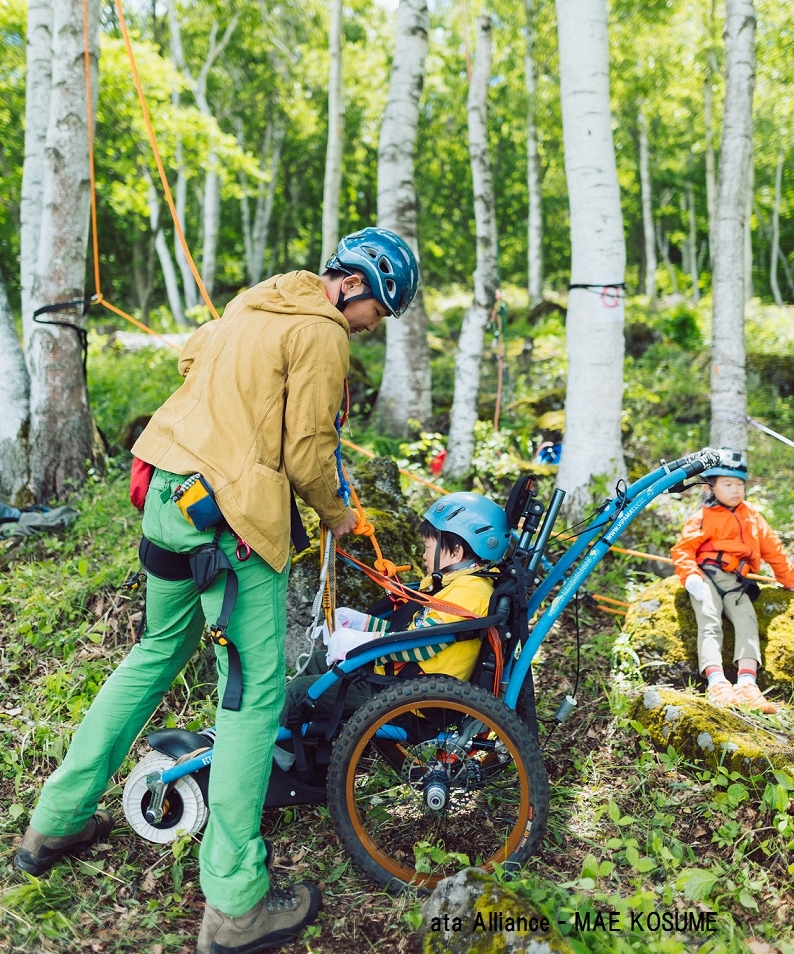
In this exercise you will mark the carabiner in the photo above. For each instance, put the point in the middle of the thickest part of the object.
(243, 551)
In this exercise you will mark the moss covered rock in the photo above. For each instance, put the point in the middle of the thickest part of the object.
(377, 484)
(471, 913)
(661, 626)
(742, 742)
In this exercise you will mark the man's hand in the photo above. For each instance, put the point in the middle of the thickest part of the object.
(696, 587)
(346, 525)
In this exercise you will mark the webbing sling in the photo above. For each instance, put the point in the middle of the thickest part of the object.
(203, 566)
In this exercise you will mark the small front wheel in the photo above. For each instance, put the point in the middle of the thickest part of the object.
(432, 775)
(184, 809)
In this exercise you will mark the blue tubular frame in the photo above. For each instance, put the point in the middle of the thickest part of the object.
(603, 530)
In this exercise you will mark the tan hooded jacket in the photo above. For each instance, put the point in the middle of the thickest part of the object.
(255, 414)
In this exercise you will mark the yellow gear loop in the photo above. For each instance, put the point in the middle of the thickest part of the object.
(366, 529)
(329, 589)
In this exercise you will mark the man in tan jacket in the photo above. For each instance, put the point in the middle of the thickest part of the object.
(255, 417)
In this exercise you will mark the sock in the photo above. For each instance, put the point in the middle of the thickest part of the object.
(714, 674)
(746, 676)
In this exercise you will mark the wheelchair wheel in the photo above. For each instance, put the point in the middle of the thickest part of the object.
(440, 764)
(185, 808)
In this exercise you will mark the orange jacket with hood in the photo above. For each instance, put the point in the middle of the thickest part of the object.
(742, 533)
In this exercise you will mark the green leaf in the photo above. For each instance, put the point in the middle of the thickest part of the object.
(590, 867)
(697, 883)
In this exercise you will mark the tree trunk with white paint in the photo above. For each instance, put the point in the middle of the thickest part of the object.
(776, 230)
(535, 216)
(463, 417)
(592, 442)
(728, 376)
(647, 206)
(336, 132)
(37, 108)
(15, 402)
(61, 428)
(405, 391)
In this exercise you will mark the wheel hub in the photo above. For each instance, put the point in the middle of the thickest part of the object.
(436, 790)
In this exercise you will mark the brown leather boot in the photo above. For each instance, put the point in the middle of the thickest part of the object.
(38, 853)
(279, 917)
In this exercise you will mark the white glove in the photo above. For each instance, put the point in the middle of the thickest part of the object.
(696, 587)
(342, 641)
(347, 618)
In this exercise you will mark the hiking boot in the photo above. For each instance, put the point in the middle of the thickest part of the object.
(749, 696)
(722, 694)
(38, 853)
(279, 917)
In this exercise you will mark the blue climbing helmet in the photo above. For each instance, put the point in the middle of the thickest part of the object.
(388, 264)
(476, 519)
(732, 464)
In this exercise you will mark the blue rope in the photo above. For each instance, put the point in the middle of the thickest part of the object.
(344, 484)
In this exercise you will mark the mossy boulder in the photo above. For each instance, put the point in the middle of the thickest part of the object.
(742, 742)
(377, 484)
(662, 630)
(471, 913)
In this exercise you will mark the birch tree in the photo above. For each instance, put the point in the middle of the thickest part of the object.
(594, 325)
(61, 429)
(15, 419)
(535, 216)
(336, 131)
(463, 417)
(728, 378)
(37, 108)
(776, 230)
(255, 228)
(405, 391)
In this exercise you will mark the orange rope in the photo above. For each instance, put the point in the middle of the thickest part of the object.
(159, 161)
(365, 528)
(100, 298)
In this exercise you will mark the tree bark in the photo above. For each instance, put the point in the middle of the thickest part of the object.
(728, 377)
(15, 401)
(535, 216)
(748, 231)
(336, 132)
(592, 443)
(776, 231)
(647, 206)
(38, 87)
(61, 428)
(460, 447)
(255, 232)
(164, 255)
(405, 391)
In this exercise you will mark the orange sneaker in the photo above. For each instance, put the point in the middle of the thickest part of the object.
(722, 694)
(749, 696)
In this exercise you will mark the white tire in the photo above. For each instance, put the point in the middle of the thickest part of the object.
(185, 808)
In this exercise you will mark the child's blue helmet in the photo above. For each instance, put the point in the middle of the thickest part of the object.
(732, 464)
(476, 519)
(388, 264)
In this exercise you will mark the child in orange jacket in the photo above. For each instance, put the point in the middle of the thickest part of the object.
(719, 546)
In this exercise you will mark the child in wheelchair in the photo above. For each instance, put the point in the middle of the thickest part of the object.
(462, 532)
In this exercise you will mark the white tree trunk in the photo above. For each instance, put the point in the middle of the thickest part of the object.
(463, 417)
(748, 232)
(164, 255)
(61, 428)
(405, 391)
(592, 443)
(38, 86)
(15, 402)
(336, 133)
(535, 216)
(693, 244)
(647, 207)
(776, 230)
(728, 378)
(212, 216)
(255, 232)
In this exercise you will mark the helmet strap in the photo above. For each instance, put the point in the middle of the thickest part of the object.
(342, 303)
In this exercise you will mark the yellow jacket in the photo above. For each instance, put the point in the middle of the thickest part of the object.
(255, 414)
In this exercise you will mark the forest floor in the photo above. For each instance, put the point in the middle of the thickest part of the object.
(631, 829)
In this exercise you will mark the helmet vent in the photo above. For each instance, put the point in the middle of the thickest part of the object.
(385, 265)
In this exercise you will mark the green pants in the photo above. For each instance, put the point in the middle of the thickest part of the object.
(232, 858)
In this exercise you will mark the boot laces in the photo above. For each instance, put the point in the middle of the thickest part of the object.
(281, 899)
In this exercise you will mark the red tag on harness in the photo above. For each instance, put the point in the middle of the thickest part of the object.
(140, 478)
